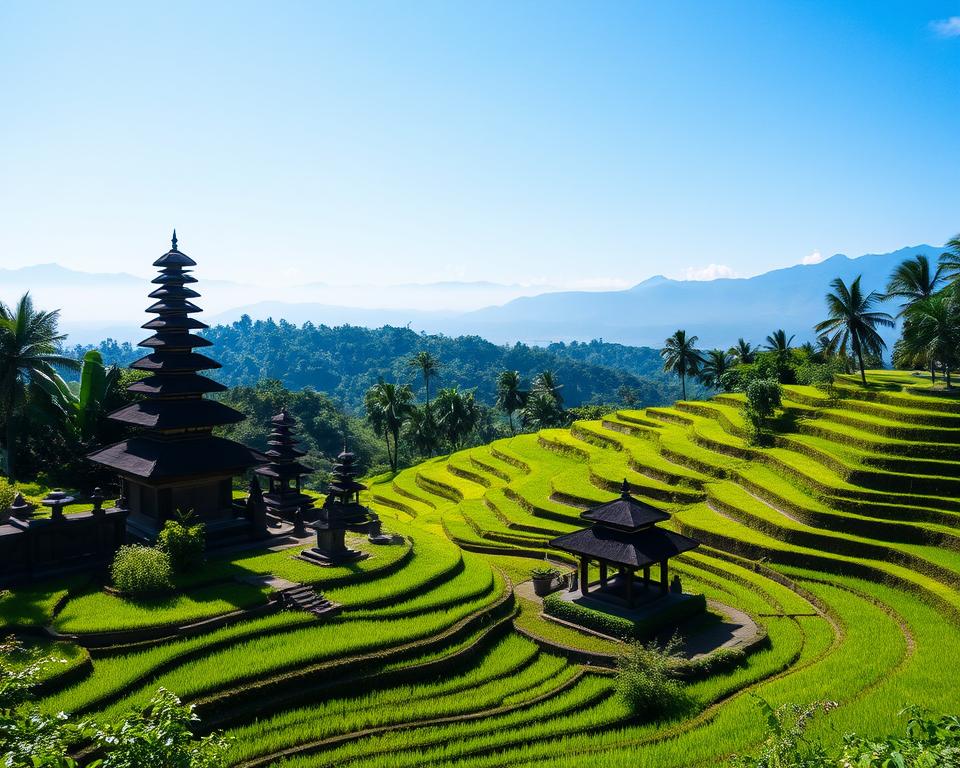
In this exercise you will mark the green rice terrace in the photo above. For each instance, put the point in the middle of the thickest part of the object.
(835, 548)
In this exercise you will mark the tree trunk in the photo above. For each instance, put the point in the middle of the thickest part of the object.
(859, 354)
(390, 461)
(683, 384)
(933, 372)
(11, 438)
(510, 419)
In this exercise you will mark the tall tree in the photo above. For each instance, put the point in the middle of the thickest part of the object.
(950, 262)
(388, 407)
(541, 411)
(681, 356)
(510, 396)
(850, 317)
(716, 362)
(913, 281)
(457, 415)
(29, 347)
(546, 382)
(743, 352)
(932, 329)
(429, 368)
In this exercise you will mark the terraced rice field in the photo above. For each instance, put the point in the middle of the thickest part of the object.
(840, 540)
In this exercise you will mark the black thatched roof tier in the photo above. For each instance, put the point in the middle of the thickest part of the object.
(173, 306)
(634, 549)
(154, 459)
(176, 384)
(169, 323)
(194, 413)
(283, 471)
(174, 290)
(175, 362)
(626, 512)
(175, 340)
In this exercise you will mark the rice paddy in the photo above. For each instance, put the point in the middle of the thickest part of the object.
(839, 540)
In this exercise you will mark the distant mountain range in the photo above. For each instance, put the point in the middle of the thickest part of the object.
(718, 311)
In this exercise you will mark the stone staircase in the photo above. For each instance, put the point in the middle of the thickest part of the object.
(305, 598)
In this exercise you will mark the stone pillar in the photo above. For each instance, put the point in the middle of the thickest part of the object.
(603, 574)
(646, 577)
(584, 577)
(628, 589)
(663, 577)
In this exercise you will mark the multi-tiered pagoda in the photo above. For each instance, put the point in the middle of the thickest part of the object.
(285, 497)
(176, 465)
(341, 512)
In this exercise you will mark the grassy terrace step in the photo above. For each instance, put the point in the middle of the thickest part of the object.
(739, 505)
(728, 534)
(499, 686)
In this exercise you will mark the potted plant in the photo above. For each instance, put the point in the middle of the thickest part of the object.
(543, 577)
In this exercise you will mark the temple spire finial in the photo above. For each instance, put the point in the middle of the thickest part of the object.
(173, 241)
(625, 488)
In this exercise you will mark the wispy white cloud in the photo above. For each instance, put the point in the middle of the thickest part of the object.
(814, 258)
(946, 27)
(709, 272)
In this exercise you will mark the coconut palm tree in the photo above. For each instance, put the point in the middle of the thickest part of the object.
(29, 347)
(913, 281)
(743, 352)
(510, 397)
(541, 411)
(681, 356)
(421, 430)
(388, 407)
(716, 362)
(429, 368)
(852, 319)
(932, 330)
(950, 261)
(546, 382)
(457, 415)
(779, 343)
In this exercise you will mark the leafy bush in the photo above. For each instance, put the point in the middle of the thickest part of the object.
(183, 543)
(819, 374)
(615, 626)
(139, 570)
(160, 735)
(8, 492)
(930, 741)
(647, 678)
(763, 398)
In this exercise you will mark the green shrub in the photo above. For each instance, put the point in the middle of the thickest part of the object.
(183, 543)
(8, 492)
(647, 679)
(763, 398)
(615, 626)
(139, 570)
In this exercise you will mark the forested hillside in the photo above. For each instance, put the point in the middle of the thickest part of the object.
(346, 361)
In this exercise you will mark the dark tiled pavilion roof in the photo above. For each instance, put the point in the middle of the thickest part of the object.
(626, 512)
(625, 532)
(635, 549)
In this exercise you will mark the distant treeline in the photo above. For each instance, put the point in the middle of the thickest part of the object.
(346, 361)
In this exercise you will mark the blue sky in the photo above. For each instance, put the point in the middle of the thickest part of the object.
(565, 143)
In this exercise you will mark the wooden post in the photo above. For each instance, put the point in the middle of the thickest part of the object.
(584, 577)
(663, 577)
(629, 587)
(603, 574)
(646, 577)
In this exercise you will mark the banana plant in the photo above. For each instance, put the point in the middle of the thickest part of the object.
(76, 407)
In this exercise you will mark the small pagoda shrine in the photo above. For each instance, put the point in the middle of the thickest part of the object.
(624, 535)
(176, 465)
(341, 512)
(285, 497)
